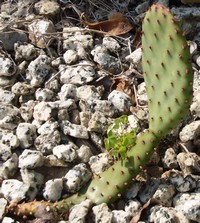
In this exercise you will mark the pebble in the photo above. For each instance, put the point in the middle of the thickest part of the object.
(102, 214)
(31, 159)
(121, 101)
(99, 163)
(22, 88)
(188, 132)
(170, 159)
(188, 204)
(47, 141)
(70, 57)
(149, 189)
(142, 95)
(6, 97)
(42, 111)
(68, 91)
(47, 7)
(44, 94)
(25, 51)
(189, 163)
(53, 189)
(195, 106)
(181, 182)
(79, 212)
(133, 207)
(84, 153)
(37, 30)
(26, 133)
(76, 178)
(135, 57)
(7, 81)
(33, 180)
(38, 70)
(79, 75)
(111, 44)
(7, 67)
(9, 167)
(9, 116)
(3, 204)
(120, 216)
(9, 139)
(65, 152)
(164, 194)
(14, 190)
(88, 92)
(9, 220)
(133, 190)
(26, 110)
(98, 122)
(48, 127)
(74, 130)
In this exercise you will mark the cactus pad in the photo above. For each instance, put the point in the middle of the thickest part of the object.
(167, 70)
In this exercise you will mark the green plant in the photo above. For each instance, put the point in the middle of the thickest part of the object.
(119, 140)
(168, 77)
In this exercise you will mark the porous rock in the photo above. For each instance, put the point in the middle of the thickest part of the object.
(120, 216)
(65, 152)
(101, 213)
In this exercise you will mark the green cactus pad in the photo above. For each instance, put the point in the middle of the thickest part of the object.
(167, 70)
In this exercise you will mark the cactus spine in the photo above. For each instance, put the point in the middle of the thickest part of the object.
(168, 76)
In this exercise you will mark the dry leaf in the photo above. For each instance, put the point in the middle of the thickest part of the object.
(117, 24)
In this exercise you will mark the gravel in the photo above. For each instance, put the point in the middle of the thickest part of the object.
(61, 86)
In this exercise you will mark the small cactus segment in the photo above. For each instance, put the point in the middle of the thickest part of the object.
(108, 186)
(167, 70)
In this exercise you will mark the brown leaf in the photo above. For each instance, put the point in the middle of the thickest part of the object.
(117, 24)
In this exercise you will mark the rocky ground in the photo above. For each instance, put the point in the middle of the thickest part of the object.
(62, 84)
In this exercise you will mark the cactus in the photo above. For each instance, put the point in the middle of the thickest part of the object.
(167, 70)
(168, 76)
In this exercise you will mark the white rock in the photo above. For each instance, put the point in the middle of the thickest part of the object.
(47, 141)
(6, 96)
(88, 92)
(70, 57)
(188, 132)
(102, 214)
(74, 130)
(135, 57)
(9, 116)
(37, 70)
(26, 133)
(99, 163)
(5, 152)
(147, 192)
(189, 162)
(133, 207)
(65, 152)
(170, 159)
(142, 95)
(26, 110)
(195, 106)
(7, 67)
(120, 216)
(14, 190)
(164, 194)
(53, 189)
(9, 220)
(9, 139)
(48, 127)
(42, 111)
(3, 204)
(111, 44)
(98, 122)
(32, 179)
(37, 30)
(67, 91)
(133, 190)
(9, 167)
(44, 94)
(47, 7)
(189, 205)
(78, 212)
(25, 51)
(120, 100)
(79, 75)
(76, 178)
(30, 159)
(84, 153)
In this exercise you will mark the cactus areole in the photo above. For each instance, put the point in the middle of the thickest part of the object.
(168, 76)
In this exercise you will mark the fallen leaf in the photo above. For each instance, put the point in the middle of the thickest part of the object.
(117, 24)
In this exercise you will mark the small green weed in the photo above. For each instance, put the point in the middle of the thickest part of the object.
(118, 140)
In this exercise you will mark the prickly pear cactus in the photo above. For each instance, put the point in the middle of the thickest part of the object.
(167, 70)
(168, 77)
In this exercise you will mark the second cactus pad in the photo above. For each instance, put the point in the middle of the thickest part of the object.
(167, 70)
